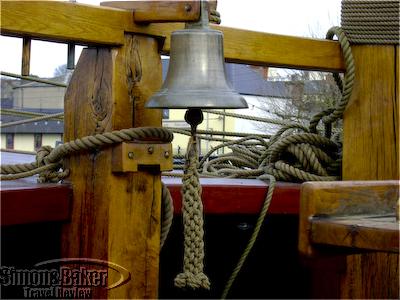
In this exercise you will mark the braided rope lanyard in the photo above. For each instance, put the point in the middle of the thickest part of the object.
(192, 213)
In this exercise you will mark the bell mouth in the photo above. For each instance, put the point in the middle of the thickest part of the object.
(197, 31)
(197, 99)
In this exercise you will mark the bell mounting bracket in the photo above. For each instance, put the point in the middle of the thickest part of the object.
(132, 156)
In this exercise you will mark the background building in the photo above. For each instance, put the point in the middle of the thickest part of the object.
(264, 97)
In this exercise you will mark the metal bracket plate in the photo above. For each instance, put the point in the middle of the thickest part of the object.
(128, 157)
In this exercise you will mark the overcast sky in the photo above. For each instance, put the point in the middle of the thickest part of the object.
(289, 17)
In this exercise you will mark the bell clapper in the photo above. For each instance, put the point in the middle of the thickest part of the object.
(194, 117)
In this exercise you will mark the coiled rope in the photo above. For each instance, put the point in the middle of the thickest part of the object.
(371, 21)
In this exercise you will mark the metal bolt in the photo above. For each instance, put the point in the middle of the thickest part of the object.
(188, 7)
(244, 226)
(130, 155)
(150, 150)
(166, 154)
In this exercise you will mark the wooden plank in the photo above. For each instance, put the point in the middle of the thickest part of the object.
(357, 232)
(239, 196)
(371, 120)
(64, 21)
(159, 11)
(114, 217)
(24, 202)
(275, 50)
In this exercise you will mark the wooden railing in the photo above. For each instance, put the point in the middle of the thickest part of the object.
(91, 25)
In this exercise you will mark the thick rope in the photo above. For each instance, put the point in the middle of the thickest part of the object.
(192, 209)
(371, 22)
(167, 213)
(347, 86)
(49, 161)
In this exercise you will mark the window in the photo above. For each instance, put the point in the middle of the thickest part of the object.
(10, 141)
(37, 140)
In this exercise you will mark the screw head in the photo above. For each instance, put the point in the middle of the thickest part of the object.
(166, 154)
(130, 155)
(150, 150)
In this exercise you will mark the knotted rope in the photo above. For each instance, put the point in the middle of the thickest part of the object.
(48, 162)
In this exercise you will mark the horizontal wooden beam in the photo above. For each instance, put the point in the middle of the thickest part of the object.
(65, 21)
(159, 11)
(365, 232)
(344, 199)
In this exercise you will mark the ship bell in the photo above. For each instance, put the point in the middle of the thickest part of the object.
(196, 75)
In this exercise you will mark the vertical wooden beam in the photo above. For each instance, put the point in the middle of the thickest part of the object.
(114, 217)
(371, 124)
(26, 56)
(371, 152)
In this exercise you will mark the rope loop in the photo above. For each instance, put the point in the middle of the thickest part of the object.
(345, 85)
(48, 162)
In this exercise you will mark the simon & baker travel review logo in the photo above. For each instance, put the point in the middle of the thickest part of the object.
(65, 278)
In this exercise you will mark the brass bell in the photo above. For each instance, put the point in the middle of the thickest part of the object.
(196, 75)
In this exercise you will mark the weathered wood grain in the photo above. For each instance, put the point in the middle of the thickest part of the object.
(368, 232)
(371, 123)
(114, 217)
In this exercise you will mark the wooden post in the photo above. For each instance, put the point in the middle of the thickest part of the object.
(26, 56)
(371, 120)
(114, 217)
(371, 152)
